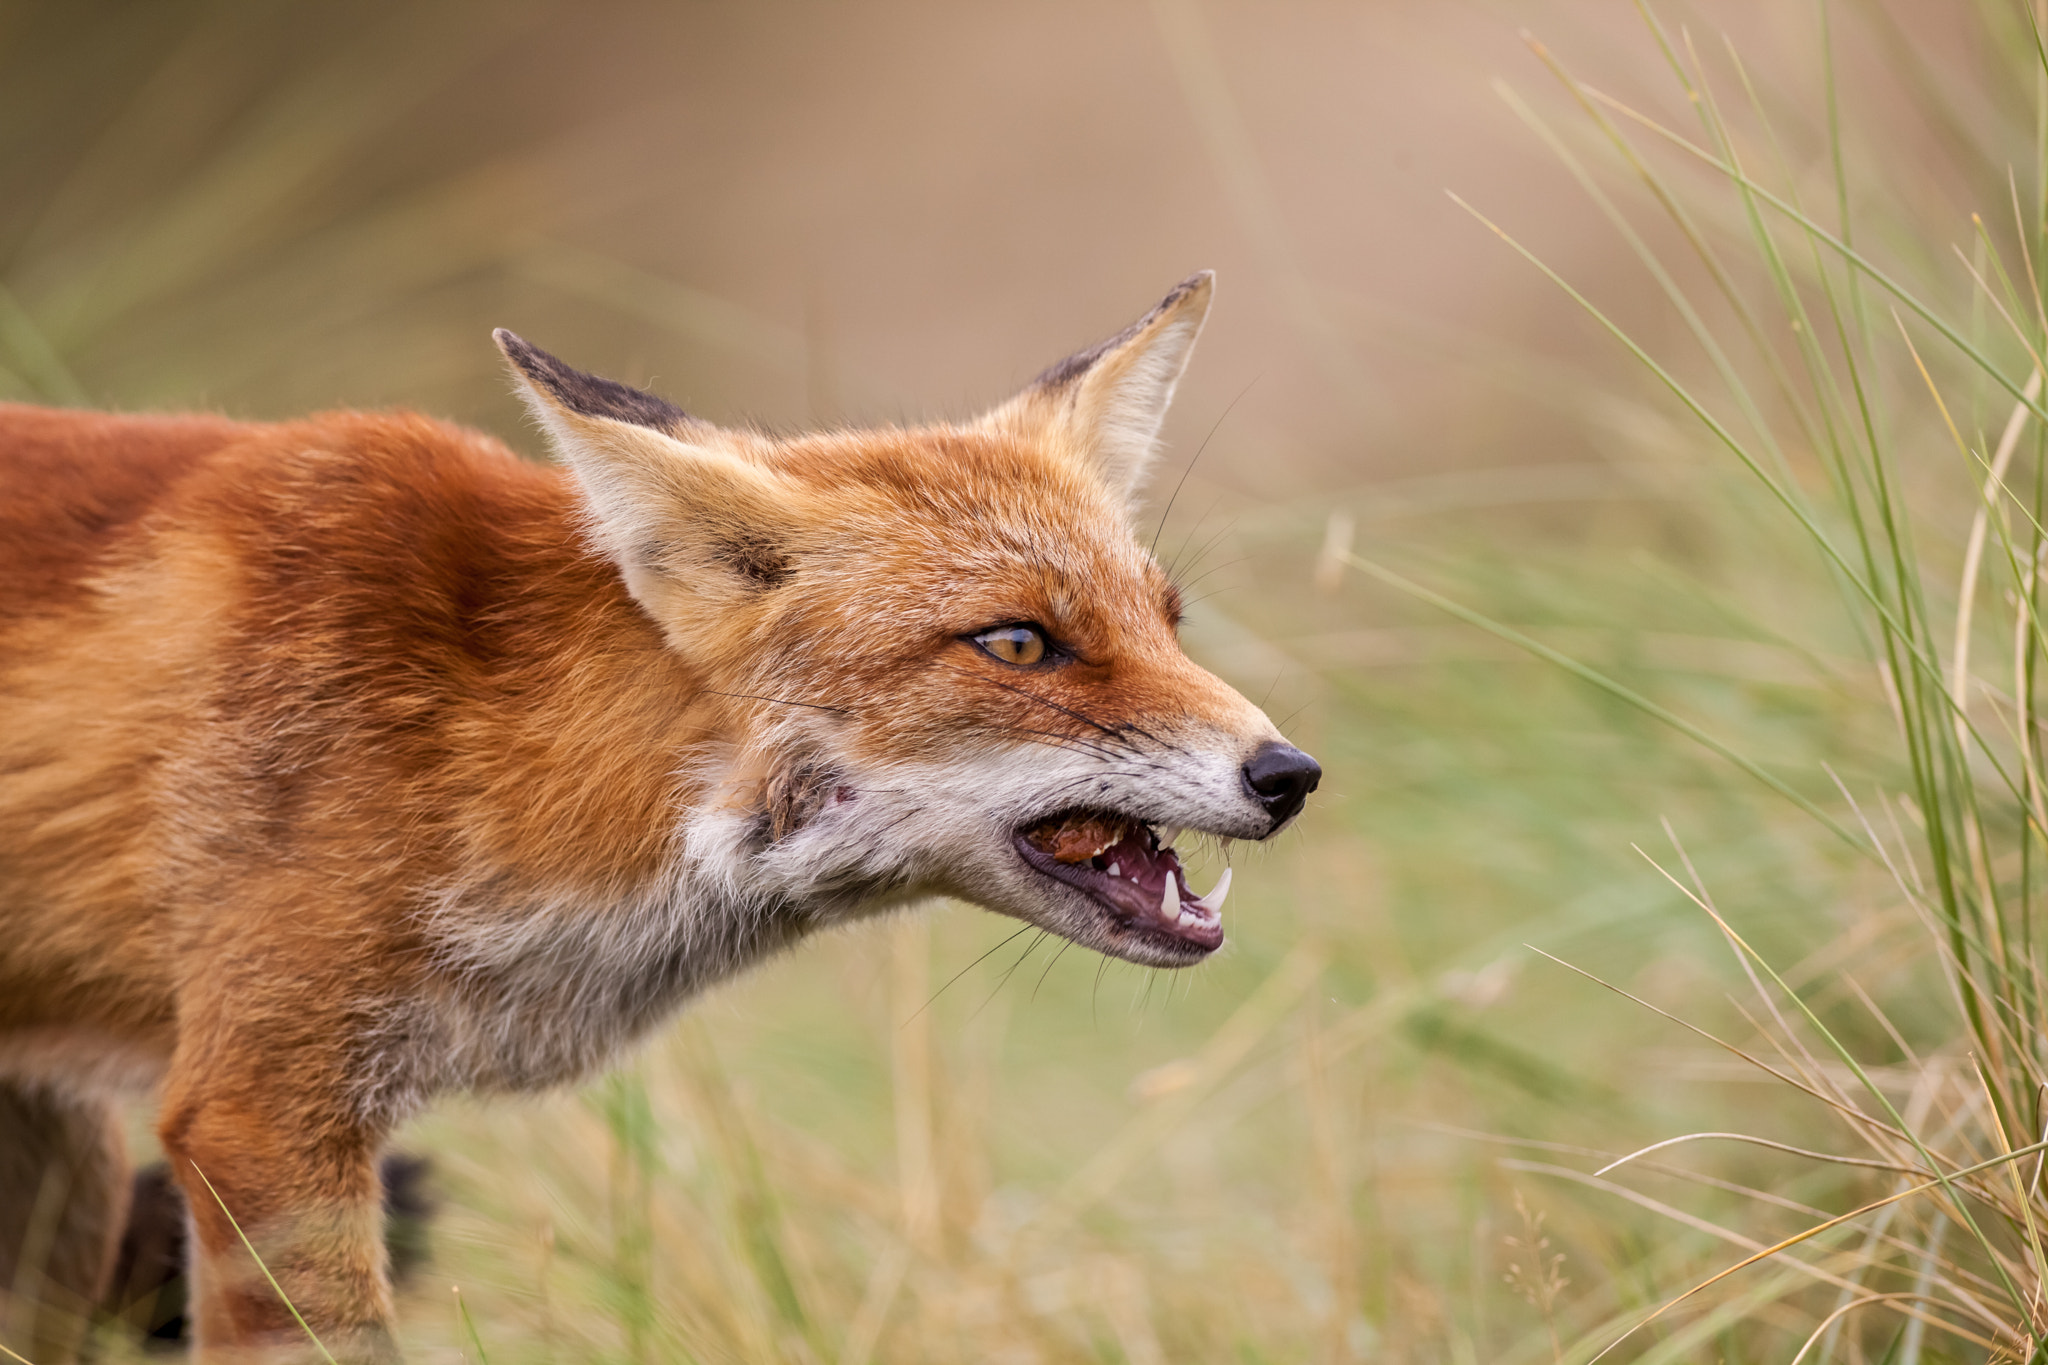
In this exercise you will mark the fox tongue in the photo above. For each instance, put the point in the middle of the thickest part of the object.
(1151, 874)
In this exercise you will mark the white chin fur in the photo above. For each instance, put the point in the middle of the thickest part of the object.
(947, 829)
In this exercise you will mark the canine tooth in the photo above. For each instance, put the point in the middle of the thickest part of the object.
(1169, 899)
(1116, 869)
(1213, 902)
(1167, 834)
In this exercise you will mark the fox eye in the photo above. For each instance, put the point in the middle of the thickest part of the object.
(1020, 645)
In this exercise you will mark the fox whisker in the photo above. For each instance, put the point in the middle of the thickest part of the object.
(1208, 545)
(1004, 980)
(1060, 741)
(1212, 569)
(1153, 548)
(1008, 939)
(1049, 966)
(1047, 702)
(781, 701)
(1138, 729)
(1173, 565)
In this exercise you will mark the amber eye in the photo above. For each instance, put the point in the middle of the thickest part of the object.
(1019, 645)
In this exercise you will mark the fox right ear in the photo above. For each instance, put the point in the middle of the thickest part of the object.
(1104, 406)
(693, 528)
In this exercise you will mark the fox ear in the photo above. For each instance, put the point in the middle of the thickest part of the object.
(1105, 405)
(691, 527)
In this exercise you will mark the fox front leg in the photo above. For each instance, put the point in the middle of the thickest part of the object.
(268, 1159)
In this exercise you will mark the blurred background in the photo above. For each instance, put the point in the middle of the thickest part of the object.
(1336, 1141)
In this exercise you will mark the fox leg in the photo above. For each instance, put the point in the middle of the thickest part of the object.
(63, 1198)
(261, 1158)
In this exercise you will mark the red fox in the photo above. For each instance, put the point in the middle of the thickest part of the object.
(350, 761)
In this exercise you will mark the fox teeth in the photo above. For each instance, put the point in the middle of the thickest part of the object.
(1116, 869)
(1167, 834)
(1213, 902)
(1169, 899)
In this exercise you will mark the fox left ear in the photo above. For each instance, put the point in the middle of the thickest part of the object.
(1104, 406)
(694, 529)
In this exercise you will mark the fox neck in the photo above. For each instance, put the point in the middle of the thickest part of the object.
(627, 848)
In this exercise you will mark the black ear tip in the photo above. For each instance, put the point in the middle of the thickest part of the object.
(587, 394)
(529, 359)
(1201, 282)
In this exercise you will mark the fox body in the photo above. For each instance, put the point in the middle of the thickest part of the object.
(351, 761)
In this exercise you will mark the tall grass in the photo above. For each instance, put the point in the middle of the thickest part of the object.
(920, 1142)
(1888, 407)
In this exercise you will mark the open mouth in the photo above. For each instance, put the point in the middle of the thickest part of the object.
(1132, 870)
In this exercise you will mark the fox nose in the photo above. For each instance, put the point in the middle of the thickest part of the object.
(1281, 777)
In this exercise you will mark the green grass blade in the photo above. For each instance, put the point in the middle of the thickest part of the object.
(282, 1297)
(1615, 689)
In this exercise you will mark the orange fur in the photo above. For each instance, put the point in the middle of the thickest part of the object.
(353, 760)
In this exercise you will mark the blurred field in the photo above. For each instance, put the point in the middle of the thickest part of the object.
(917, 1143)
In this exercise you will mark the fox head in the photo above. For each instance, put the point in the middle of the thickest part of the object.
(937, 659)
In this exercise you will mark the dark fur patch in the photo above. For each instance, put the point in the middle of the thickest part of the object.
(147, 1291)
(755, 558)
(794, 796)
(1079, 363)
(75, 490)
(148, 1287)
(589, 394)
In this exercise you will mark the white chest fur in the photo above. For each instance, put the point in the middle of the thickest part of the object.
(530, 991)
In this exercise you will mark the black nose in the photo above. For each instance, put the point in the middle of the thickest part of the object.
(1281, 777)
